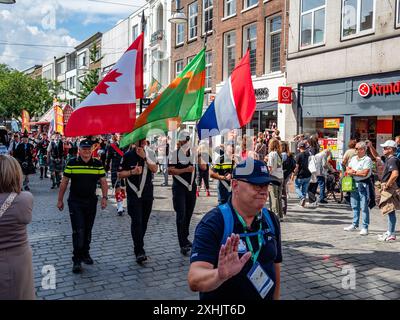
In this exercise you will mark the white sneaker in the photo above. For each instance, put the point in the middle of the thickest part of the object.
(364, 232)
(386, 237)
(351, 228)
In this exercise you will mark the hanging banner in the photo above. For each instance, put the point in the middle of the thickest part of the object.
(26, 121)
(58, 120)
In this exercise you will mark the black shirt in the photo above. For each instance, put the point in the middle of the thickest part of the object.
(302, 161)
(128, 162)
(206, 246)
(391, 164)
(42, 147)
(84, 176)
(180, 160)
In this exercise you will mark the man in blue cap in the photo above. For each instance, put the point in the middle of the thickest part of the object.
(237, 246)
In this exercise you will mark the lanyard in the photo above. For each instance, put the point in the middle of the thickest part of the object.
(254, 255)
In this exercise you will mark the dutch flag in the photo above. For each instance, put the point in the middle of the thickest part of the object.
(233, 106)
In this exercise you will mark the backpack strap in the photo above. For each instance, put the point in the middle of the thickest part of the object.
(267, 216)
(228, 221)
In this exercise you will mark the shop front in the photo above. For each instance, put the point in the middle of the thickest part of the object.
(364, 108)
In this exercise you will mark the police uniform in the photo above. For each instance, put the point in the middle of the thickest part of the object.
(223, 167)
(42, 147)
(183, 195)
(139, 191)
(56, 150)
(82, 202)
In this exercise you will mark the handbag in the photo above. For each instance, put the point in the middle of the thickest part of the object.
(348, 184)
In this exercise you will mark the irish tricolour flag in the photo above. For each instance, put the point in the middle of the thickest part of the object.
(233, 106)
(111, 106)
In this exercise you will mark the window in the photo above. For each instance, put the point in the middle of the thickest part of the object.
(229, 53)
(398, 14)
(357, 17)
(207, 15)
(135, 32)
(82, 59)
(193, 14)
(180, 29)
(273, 41)
(190, 59)
(47, 74)
(250, 41)
(312, 23)
(71, 83)
(60, 68)
(208, 80)
(230, 8)
(178, 67)
(249, 3)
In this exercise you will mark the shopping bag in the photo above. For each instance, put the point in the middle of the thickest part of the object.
(348, 184)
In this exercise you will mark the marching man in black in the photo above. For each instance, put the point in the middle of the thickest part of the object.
(42, 147)
(138, 166)
(182, 168)
(24, 154)
(55, 155)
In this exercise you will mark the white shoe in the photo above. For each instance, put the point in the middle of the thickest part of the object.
(386, 237)
(364, 232)
(351, 228)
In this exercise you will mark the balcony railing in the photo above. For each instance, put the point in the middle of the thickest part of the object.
(156, 37)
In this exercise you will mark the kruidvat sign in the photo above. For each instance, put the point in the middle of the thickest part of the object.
(365, 90)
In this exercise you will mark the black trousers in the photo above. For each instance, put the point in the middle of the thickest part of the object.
(203, 175)
(139, 210)
(184, 202)
(82, 215)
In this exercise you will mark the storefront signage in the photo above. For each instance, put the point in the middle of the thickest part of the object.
(285, 95)
(376, 89)
(262, 94)
(332, 123)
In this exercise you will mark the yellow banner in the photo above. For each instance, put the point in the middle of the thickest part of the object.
(26, 121)
(58, 120)
(331, 123)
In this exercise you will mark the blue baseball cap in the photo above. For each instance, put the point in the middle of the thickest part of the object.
(85, 143)
(254, 172)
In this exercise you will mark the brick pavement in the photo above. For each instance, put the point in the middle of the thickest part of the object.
(317, 253)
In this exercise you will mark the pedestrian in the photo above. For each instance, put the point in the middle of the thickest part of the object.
(302, 174)
(349, 154)
(322, 166)
(113, 160)
(42, 147)
(288, 166)
(55, 156)
(360, 168)
(16, 268)
(390, 191)
(84, 172)
(163, 153)
(261, 148)
(182, 168)
(138, 166)
(397, 140)
(24, 154)
(72, 149)
(275, 167)
(237, 246)
(203, 168)
(222, 170)
(14, 144)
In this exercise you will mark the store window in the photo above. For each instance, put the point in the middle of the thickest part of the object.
(250, 41)
(193, 15)
(229, 8)
(273, 42)
(357, 18)
(207, 15)
(312, 23)
(229, 53)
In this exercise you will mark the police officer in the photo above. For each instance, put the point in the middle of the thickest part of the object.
(84, 172)
(113, 160)
(42, 147)
(138, 166)
(237, 246)
(55, 155)
(24, 154)
(222, 171)
(182, 167)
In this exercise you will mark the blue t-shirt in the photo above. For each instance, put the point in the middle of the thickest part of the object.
(206, 246)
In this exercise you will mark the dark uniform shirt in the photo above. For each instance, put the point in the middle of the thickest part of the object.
(391, 164)
(179, 160)
(224, 166)
(42, 147)
(206, 246)
(128, 162)
(84, 176)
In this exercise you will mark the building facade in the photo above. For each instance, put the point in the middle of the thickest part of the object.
(343, 67)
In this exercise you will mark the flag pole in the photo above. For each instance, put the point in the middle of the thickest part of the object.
(143, 23)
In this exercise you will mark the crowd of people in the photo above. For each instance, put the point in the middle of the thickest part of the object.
(85, 163)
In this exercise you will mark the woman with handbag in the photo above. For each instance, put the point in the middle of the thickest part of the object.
(16, 269)
(360, 169)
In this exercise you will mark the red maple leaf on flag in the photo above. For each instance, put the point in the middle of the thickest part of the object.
(110, 77)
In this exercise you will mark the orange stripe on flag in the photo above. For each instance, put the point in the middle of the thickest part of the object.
(196, 82)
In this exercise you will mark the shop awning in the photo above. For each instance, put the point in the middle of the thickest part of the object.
(267, 106)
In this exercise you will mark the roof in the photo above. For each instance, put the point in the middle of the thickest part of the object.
(88, 41)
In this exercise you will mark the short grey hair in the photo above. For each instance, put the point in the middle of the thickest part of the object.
(362, 145)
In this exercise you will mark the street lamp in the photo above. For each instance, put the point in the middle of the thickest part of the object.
(7, 1)
(178, 16)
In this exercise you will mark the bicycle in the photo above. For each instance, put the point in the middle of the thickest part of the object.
(334, 187)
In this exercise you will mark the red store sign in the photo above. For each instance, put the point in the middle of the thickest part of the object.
(365, 90)
(285, 95)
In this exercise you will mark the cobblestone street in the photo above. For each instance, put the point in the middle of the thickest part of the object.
(318, 255)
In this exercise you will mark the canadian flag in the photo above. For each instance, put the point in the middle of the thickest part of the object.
(111, 106)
